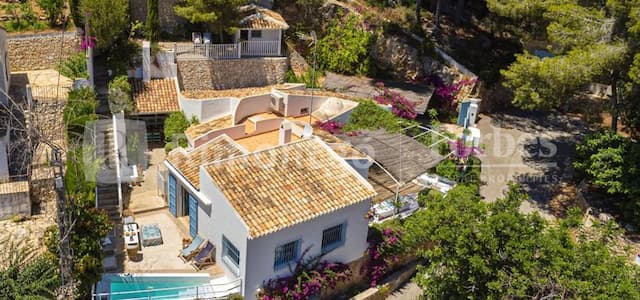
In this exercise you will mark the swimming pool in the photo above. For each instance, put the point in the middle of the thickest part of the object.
(148, 286)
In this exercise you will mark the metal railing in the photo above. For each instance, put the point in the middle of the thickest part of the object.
(227, 51)
(260, 48)
(205, 291)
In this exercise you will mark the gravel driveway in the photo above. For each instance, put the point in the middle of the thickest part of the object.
(533, 149)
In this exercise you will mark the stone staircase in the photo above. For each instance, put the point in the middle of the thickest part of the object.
(107, 187)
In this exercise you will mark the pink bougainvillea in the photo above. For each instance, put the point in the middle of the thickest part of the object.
(86, 43)
(462, 151)
(306, 283)
(448, 92)
(382, 253)
(330, 126)
(400, 106)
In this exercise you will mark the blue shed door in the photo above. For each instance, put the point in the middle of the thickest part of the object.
(172, 195)
(462, 115)
(193, 216)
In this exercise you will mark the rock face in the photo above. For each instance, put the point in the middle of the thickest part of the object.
(398, 58)
(231, 73)
(41, 51)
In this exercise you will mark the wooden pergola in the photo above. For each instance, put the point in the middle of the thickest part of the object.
(398, 156)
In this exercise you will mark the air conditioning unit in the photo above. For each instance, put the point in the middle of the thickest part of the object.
(277, 103)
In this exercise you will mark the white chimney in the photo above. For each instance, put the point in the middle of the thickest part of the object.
(146, 61)
(285, 133)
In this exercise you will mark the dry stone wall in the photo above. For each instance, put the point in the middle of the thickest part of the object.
(41, 50)
(231, 73)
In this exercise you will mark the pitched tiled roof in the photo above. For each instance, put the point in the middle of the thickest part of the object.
(289, 184)
(188, 162)
(258, 17)
(155, 96)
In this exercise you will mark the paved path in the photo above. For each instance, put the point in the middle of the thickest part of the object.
(408, 291)
(533, 149)
(364, 87)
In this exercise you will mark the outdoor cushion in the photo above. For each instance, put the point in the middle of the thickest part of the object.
(191, 248)
(151, 235)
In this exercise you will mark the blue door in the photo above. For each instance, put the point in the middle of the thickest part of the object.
(193, 216)
(172, 195)
(462, 115)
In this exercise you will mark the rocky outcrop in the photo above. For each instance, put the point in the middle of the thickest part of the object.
(396, 56)
(231, 73)
(41, 51)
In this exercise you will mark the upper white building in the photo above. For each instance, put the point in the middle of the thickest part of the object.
(263, 209)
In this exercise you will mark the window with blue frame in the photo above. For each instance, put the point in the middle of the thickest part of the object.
(230, 252)
(332, 238)
(286, 254)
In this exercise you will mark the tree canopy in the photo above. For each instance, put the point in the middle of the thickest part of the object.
(592, 41)
(492, 251)
(108, 20)
(218, 15)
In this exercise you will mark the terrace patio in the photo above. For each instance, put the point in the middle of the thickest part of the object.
(164, 258)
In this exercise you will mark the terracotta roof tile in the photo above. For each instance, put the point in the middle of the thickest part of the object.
(195, 131)
(289, 184)
(258, 17)
(155, 96)
(188, 162)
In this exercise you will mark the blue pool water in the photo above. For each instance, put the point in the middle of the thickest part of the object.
(123, 287)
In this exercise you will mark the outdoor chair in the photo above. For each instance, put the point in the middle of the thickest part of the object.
(206, 257)
(187, 253)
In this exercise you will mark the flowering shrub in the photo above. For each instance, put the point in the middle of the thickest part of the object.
(382, 252)
(448, 92)
(86, 43)
(308, 279)
(462, 151)
(331, 126)
(400, 106)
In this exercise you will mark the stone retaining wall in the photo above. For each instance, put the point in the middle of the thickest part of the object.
(41, 50)
(231, 73)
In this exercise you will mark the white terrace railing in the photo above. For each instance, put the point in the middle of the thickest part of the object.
(199, 292)
(227, 51)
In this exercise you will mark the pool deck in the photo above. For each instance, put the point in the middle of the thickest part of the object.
(164, 258)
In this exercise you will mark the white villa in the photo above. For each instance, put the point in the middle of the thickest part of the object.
(263, 209)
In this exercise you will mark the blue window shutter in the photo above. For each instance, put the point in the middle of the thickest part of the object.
(193, 216)
(172, 195)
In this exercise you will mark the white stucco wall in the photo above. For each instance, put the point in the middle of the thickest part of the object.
(251, 105)
(267, 35)
(261, 251)
(297, 102)
(221, 219)
(207, 109)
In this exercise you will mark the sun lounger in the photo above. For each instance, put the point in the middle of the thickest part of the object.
(205, 257)
(191, 250)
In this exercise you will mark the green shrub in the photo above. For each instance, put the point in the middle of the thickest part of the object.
(448, 169)
(307, 78)
(368, 115)
(152, 24)
(22, 17)
(174, 126)
(427, 196)
(53, 8)
(120, 95)
(75, 66)
(345, 48)
(573, 218)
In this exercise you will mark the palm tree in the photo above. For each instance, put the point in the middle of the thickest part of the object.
(25, 274)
